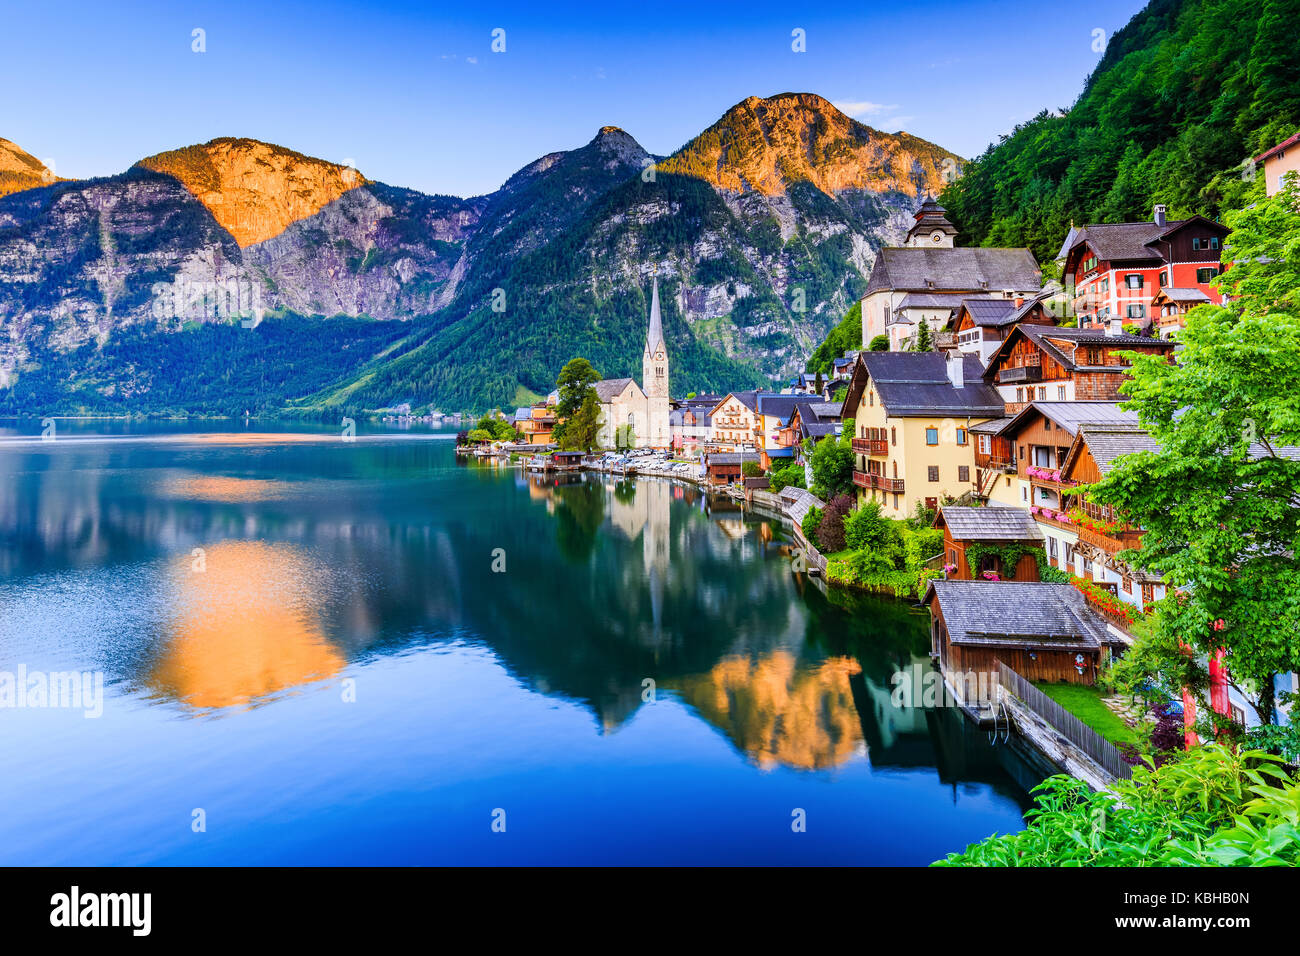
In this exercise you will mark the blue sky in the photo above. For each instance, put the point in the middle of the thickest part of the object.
(414, 96)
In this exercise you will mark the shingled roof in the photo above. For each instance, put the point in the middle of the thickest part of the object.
(988, 524)
(912, 384)
(607, 389)
(1068, 416)
(1065, 342)
(954, 270)
(1108, 442)
(1024, 614)
(1133, 241)
(797, 501)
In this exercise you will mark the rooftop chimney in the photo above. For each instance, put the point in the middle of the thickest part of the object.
(956, 369)
(1160, 214)
(1115, 326)
(1020, 300)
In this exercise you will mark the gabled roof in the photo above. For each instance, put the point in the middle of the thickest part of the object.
(1063, 351)
(990, 312)
(608, 389)
(522, 414)
(1135, 241)
(954, 270)
(730, 457)
(1285, 144)
(932, 300)
(1017, 614)
(1070, 416)
(1107, 442)
(778, 406)
(992, 523)
(1170, 294)
(797, 501)
(916, 384)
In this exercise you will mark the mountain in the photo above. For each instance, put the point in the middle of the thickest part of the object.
(1183, 94)
(762, 230)
(20, 170)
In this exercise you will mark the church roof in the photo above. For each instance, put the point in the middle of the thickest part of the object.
(655, 337)
(608, 389)
(976, 269)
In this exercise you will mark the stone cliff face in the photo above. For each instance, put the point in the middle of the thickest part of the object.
(253, 189)
(763, 229)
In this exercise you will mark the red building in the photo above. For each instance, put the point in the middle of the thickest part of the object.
(1119, 269)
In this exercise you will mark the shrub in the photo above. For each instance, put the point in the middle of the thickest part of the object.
(781, 478)
(751, 469)
(830, 530)
(879, 344)
(810, 522)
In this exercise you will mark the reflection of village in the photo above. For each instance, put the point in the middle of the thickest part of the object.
(292, 595)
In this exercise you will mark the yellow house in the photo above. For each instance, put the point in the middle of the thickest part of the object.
(912, 413)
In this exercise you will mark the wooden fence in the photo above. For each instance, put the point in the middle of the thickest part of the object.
(1098, 748)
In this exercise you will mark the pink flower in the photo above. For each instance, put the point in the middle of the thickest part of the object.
(1220, 624)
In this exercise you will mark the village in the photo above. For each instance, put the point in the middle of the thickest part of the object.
(982, 405)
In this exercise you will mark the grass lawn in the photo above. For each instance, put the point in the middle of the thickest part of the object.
(1086, 704)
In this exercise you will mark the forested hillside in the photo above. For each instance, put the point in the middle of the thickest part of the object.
(1184, 93)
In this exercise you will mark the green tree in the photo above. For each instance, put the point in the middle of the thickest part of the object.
(879, 344)
(575, 384)
(832, 464)
(582, 430)
(924, 341)
(1220, 500)
(751, 469)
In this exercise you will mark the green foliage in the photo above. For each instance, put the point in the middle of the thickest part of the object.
(1214, 807)
(1007, 555)
(573, 383)
(498, 428)
(1218, 501)
(832, 464)
(846, 335)
(781, 478)
(880, 343)
(811, 520)
(1183, 95)
(924, 340)
(830, 530)
(886, 555)
(582, 430)
(751, 469)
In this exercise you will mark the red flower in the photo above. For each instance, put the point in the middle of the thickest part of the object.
(1220, 624)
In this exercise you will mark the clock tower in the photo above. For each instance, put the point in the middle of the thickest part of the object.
(932, 229)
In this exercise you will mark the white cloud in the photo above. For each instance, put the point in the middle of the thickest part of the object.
(857, 108)
(471, 59)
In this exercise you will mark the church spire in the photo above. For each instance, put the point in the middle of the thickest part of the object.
(655, 338)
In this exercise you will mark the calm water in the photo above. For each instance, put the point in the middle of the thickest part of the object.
(305, 640)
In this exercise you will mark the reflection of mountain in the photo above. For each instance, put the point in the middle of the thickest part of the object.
(779, 712)
(246, 626)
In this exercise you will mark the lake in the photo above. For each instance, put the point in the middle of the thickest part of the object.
(319, 651)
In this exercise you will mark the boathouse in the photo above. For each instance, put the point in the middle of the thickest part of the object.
(1044, 632)
(994, 543)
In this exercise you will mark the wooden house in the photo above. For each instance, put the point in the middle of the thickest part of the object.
(1044, 632)
(723, 468)
(977, 540)
(1044, 363)
(980, 324)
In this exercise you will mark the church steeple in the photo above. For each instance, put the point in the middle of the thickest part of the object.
(654, 341)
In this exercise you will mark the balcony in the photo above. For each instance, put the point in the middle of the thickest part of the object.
(1111, 542)
(1048, 477)
(871, 447)
(872, 482)
(1020, 374)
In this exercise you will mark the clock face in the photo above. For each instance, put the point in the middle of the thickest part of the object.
(936, 237)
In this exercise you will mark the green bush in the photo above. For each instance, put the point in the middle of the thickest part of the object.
(751, 469)
(781, 478)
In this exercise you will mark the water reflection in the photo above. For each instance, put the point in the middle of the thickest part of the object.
(246, 626)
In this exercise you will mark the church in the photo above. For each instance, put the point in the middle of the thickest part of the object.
(633, 416)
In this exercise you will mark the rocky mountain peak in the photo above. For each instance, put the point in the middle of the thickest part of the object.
(765, 144)
(20, 170)
(620, 146)
(255, 190)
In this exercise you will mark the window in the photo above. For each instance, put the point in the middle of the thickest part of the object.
(871, 397)
(1133, 280)
(1060, 393)
(1238, 716)
(893, 436)
(932, 436)
(1087, 567)
(1051, 547)
(1127, 585)
(1196, 243)
(963, 473)
(1069, 553)
(961, 436)
(1020, 395)
(1148, 593)
(932, 472)
(984, 444)
(1042, 392)
(1204, 276)
(1024, 491)
(1105, 284)
(1137, 311)
(1214, 242)
(895, 500)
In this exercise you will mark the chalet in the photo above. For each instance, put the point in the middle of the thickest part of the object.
(536, 424)
(722, 467)
(1169, 308)
(1044, 632)
(980, 324)
(1117, 269)
(1044, 363)
(1277, 162)
(1102, 533)
(734, 422)
(810, 421)
(1021, 466)
(773, 411)
(928, 278)
(977, 540)
(912, 415)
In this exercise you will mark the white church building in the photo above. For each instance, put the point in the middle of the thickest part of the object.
(632, 415)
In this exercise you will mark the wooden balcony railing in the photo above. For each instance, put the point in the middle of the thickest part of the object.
(865, 479)
(872, 447)
(1020, 373)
